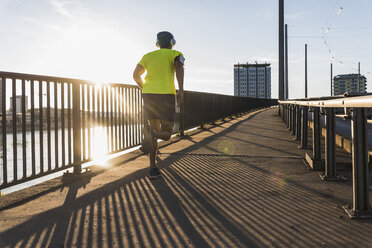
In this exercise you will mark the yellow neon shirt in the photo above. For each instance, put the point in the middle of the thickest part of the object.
(160, 68)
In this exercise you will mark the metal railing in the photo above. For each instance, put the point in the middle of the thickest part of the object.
(70, 122)
(358, 108)
(202, 108)
(61, 127)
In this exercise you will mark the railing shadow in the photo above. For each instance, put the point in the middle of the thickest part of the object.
(132, 211)
(201, 201)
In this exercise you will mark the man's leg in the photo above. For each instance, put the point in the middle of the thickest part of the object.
(155, 126)
(162, 130)
(165, 132)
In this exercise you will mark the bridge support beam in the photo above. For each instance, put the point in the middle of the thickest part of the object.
(360, 207)
(330, 148)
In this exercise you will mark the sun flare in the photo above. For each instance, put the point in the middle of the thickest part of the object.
(99, 147)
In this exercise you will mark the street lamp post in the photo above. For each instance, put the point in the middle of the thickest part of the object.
(331, 80)
(281, 50)
(305, 70)
(286, 63)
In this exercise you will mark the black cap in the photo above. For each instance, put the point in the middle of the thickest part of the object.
(164, 38)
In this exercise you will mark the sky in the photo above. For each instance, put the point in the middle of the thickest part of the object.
(103, 41)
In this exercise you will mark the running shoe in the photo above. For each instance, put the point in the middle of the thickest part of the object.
(154, 173)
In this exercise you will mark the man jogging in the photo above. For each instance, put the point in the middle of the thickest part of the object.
(158, 92)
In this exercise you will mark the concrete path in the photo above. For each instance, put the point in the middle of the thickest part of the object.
(238, 184)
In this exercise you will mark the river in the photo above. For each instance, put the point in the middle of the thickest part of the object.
(98, 146)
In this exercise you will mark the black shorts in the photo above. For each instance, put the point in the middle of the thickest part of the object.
(159, 106)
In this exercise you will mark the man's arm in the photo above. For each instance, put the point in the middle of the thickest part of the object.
(138, 71)
(179, 76)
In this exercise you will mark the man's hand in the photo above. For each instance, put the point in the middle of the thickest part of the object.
(180, 97)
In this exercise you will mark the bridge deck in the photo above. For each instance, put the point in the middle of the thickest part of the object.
(260, 195)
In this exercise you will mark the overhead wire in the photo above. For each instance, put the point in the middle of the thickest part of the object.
(321, 36)
(325, 35)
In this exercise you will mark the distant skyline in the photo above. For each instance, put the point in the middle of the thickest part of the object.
(103, 40)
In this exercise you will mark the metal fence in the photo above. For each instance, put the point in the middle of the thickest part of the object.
(69, 121)
(295, 114)
(52, 123)
(202, 108)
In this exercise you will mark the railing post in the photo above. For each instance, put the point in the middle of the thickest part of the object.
(330, 147)
(231, 107)
(298, 122)
(281, 111)
(286, 117)
(289, 117)
(293, 120)
(202, 112)
(304, 127)
(3, 127)
(182, 117)
(213, 110)
(317, 145)
(360, 208)
(76, 127)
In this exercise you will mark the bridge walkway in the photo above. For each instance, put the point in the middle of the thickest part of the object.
(241, 183)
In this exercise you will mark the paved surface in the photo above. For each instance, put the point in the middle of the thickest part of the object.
(238, 184)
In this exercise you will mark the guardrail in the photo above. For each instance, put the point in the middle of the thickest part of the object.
(70, 122)
(202, 108)
(65, 117)
(295, 114)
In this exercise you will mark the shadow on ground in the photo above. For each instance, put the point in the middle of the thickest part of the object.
(254, 193)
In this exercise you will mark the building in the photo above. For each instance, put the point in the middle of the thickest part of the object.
(349, 83)
(252, 80)
(19, 103)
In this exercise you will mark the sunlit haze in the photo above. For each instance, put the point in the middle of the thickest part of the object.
(103, 40)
